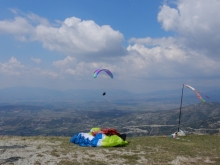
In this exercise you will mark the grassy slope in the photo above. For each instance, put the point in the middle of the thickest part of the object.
(192, 149)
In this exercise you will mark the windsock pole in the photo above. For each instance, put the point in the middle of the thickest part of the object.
(180, 108)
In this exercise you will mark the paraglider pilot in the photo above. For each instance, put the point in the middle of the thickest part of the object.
(103, 93)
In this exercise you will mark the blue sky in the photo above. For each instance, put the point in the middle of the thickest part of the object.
(148, 45)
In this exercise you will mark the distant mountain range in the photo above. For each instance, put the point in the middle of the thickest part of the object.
(37, 94)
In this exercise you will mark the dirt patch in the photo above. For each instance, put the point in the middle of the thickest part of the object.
(19, 150)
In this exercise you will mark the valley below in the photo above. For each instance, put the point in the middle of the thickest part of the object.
(36, 134)
(27, 120)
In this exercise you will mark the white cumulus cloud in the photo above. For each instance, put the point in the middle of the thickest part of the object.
(196, 23)
(12, 67)
(73, 37)
(76, 36)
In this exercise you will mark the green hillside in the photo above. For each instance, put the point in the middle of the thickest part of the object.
(191, 149)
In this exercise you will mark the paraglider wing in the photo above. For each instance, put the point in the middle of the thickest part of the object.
(100, 138)
(96, 73)
(197, 93)
(100, 70)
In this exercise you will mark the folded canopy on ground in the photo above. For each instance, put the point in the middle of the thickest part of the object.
(99, 138)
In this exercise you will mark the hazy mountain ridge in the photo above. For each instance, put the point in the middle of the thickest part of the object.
(94, 100)
(43, 94)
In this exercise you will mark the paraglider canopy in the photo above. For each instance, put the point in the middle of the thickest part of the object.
(100, 70)
(96, 73)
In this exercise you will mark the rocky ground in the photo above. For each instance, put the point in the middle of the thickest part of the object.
(141, 150)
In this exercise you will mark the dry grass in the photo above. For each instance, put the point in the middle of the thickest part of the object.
(195, 149)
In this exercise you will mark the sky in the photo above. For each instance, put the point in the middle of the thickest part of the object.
(148, 45)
